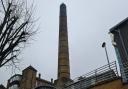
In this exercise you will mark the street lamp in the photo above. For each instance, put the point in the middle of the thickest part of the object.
(104, 46)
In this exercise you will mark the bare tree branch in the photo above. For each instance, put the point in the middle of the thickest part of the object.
(15, 29)
(3, 5)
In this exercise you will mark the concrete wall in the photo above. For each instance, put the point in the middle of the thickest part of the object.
(116, 84)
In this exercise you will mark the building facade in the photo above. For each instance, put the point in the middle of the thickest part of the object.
(119, 34)
(105, 77)
(29, 80)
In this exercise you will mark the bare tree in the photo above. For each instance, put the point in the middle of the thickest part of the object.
(16, 26)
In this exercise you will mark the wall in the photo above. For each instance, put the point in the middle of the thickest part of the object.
(116, 84)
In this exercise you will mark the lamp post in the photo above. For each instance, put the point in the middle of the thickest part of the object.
(104, 46)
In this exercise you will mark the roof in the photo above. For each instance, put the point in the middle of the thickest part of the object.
(32, 68)
(119, 24)
(43, 80)
(45, 87)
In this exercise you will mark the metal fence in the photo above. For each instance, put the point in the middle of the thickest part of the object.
(102, 74)
(124, 71)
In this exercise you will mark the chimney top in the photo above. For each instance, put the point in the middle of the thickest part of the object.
(63, 10)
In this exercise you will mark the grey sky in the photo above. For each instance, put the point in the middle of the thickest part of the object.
(89, 22)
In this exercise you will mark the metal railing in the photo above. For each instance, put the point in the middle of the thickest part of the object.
(124, 71)
(102, 74)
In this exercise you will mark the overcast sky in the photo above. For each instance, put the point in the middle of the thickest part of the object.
(89, 22)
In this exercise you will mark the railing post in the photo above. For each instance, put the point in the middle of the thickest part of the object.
(116, 68)
(96, 76)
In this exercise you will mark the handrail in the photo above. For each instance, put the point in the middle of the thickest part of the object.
(94, 77)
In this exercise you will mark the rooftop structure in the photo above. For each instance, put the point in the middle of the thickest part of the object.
(28, 80)
(119, 35)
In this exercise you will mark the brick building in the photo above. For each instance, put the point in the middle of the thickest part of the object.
(105, 77)
(28, 80)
